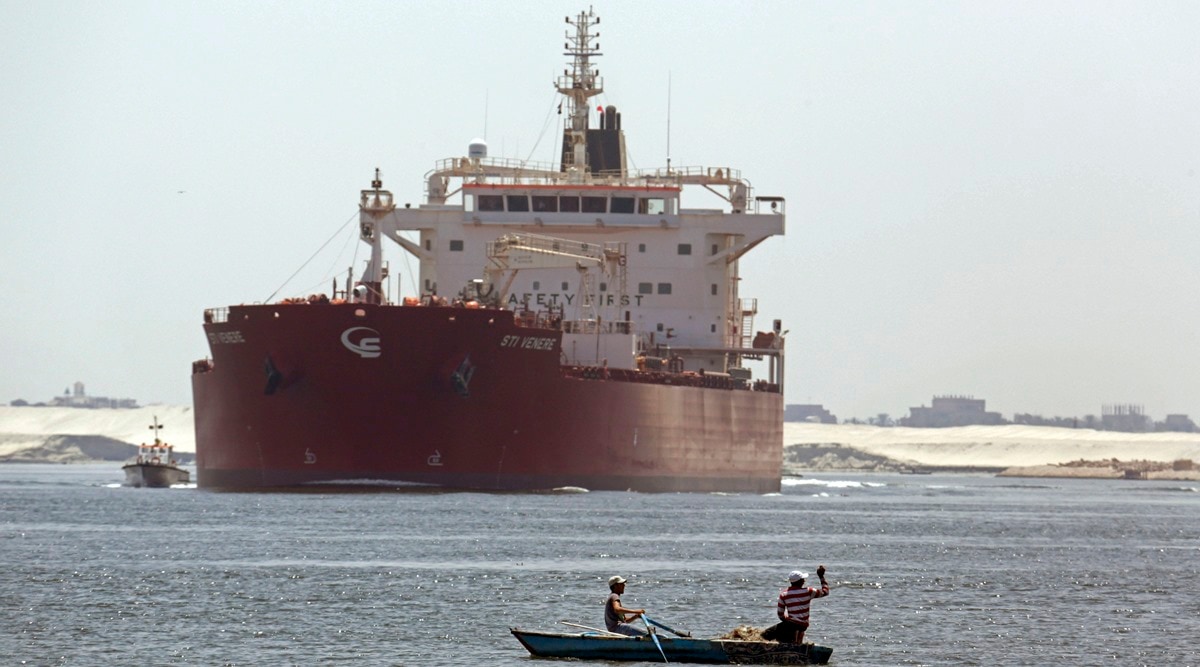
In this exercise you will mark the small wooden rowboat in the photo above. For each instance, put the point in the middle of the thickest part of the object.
(600, 646)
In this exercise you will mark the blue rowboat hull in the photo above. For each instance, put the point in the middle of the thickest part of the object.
(596, 646)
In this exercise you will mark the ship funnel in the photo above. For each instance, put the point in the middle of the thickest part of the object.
(605, 146)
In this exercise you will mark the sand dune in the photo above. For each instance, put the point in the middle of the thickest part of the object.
(967, 446)
(997, 446)
(24, 428)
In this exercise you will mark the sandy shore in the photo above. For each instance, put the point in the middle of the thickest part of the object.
(1100, 472)
(56, 435)
(1039, 451)
(1014, 450)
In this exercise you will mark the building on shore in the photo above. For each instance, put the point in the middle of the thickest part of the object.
(76, 397)
(808, 413)
(948, 411)
(1181, 423)
(1125, 417)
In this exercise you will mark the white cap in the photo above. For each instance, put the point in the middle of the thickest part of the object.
(615, 579)
(797, 575)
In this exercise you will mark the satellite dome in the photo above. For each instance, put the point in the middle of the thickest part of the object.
(477, 149)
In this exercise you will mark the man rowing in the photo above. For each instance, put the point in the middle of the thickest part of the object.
(616, 616)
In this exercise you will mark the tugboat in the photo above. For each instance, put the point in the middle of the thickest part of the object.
(155, 465)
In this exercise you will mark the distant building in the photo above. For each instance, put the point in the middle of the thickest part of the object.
(808, 413)
(1125, 417)
(1060, 422)
(75, 397)
(1179, 423)
(952, 411)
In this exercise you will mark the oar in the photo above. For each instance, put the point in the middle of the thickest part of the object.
(667, 628)
(653, 636)
(585, 627)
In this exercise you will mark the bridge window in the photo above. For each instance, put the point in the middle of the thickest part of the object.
(537, 285)
(603, 287)
(565, 287)
(641, 247)
(545, 204)
(652, 205)
(456, 245)
(491, 203)
(568, 204)
(712, 328)
(518, 203)
(685, 248)
(664, 288)
(428, 244)
(714, 249)
(714, 289)
(595, 205)
(622, 204)
(645, 288)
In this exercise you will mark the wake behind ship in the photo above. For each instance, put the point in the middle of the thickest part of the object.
(596, 336)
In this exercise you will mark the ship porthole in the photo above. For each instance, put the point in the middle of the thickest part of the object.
(277, 314)
(360, 313)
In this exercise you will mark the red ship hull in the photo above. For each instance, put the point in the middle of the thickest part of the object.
(464, 398)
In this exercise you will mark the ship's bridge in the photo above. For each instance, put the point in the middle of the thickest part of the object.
(682, 281)
(581, 204)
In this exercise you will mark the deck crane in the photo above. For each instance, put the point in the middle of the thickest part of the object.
(514, 252)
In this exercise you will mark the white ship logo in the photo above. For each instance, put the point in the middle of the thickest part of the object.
(367, 346)
(435, 459)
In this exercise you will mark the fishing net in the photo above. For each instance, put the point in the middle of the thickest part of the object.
(744, 633)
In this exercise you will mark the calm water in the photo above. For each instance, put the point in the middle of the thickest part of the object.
(927, 570)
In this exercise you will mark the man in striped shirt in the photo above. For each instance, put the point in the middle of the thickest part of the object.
(792, 608)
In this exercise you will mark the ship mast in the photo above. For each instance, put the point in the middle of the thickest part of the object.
(375, 203)
(156, 427)
(578, 84)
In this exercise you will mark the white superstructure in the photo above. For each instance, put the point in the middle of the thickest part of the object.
(679, 295)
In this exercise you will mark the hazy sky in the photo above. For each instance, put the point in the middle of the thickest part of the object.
(997, 199)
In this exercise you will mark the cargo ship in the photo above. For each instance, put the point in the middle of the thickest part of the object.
(573, 325)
